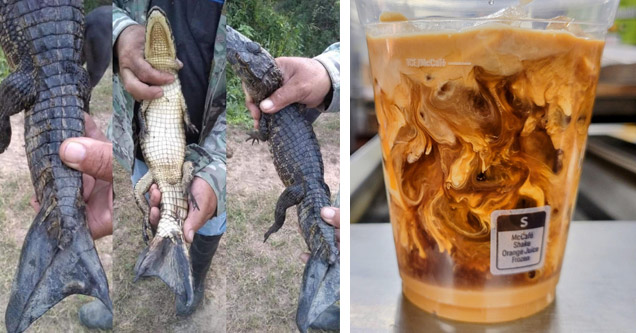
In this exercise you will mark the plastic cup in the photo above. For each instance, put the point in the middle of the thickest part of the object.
(483, 112)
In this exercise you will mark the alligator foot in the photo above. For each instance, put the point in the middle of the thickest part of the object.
(255, 136)
(186, 117)
(140, 189)
(188, 175)
(290, 197)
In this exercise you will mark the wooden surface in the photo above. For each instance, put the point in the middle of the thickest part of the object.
(596, 293)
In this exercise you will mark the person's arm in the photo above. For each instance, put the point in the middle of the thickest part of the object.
(121, 21)
(210, 158)
(208, 185)
(330, 58)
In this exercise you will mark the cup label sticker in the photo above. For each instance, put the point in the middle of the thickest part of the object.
(517, 239)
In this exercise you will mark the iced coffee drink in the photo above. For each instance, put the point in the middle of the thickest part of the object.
(482, 132)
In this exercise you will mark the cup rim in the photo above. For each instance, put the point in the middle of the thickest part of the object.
(438, 19)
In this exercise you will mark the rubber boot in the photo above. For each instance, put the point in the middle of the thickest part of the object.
(95, 315)
(201, 252)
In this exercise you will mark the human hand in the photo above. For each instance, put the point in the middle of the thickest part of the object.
(93, 156)
(139, 78)
(206, 201)
(305, 81)
(331, 215)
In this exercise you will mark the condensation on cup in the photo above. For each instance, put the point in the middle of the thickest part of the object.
(483, 110)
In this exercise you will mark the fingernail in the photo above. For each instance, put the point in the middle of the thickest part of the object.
(267, 104)
(327, 213)
(74, 152)
(191, 235)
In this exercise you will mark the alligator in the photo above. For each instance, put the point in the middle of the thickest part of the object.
(162, 127)
(298, 161)
(42, 41)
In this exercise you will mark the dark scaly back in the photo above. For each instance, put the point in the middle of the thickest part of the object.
(62, 93)
(298, 160)
(43, 42)
(292, 141)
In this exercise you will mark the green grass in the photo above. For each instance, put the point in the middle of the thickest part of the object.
(4, 66)
(237, 112)
(267, 275)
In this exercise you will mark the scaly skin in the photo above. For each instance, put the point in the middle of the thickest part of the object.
(298, 161)
(163, 142)
(43, 43)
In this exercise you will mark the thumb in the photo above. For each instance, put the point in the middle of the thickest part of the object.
(285, 95)
(89, 156)
(188, 230)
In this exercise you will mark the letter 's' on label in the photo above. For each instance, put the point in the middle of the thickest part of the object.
(517, 239)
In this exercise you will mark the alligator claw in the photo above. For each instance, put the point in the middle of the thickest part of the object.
(253, 138)
(193, 129)
(146, 226)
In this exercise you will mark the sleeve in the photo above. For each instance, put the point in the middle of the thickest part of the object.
(209, 155)
(331, 60)
(121, 20)
(209, 160)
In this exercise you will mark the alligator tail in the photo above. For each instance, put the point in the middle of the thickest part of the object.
(58, 259)
(167, 258)
(318, 306)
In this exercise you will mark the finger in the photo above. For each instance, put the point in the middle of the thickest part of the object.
(255, 112)
(34, 203)
(91, 130)
(99, 207)
(89, 156)
(248, 97)
(179, 64)
(89, 184)
(155, 196)
(188, 228)
(147, 74)
(331, 215)
(155, 215)
(139, 90)
(193, 222)
(285, 95)
(304, 257)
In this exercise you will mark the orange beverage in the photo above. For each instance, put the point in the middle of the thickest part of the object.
(483, 131)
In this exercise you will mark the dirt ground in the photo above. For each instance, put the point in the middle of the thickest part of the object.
(16, 216)
(265, 277)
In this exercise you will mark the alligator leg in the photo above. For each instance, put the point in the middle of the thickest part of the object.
(143, 129)
(142, 186)
(16, 94)
(188, 175)
(186, 118)
(290, 197)
(263, 130)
